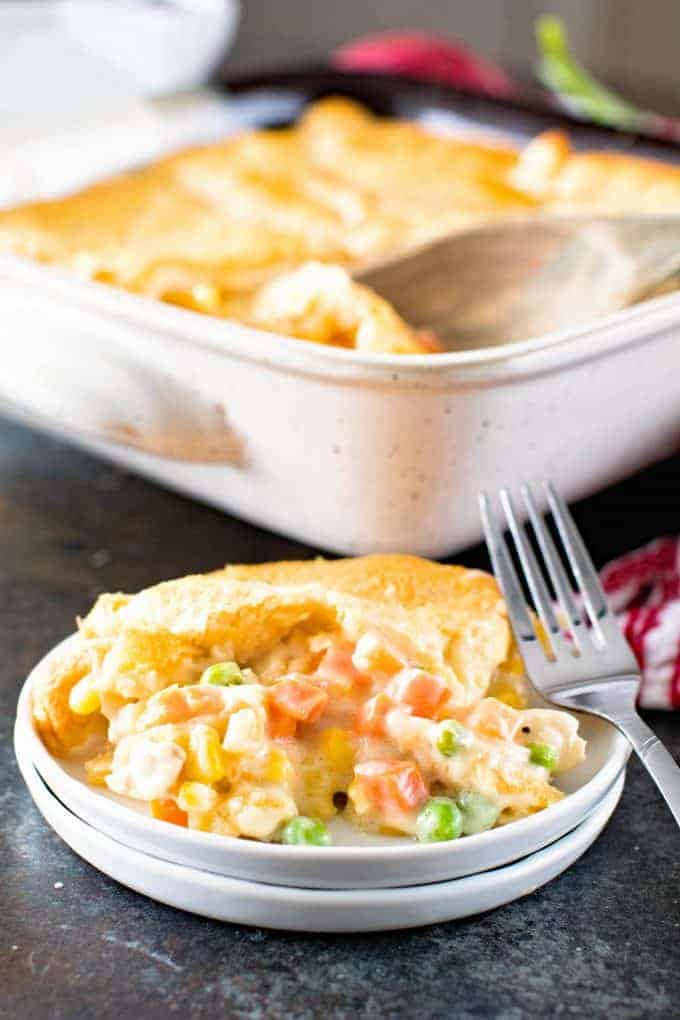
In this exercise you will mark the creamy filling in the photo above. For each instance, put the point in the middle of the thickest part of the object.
(322, 724)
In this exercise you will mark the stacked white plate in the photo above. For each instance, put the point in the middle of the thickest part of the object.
(358, 884)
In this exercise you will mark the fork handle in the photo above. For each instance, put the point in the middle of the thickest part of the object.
(659, 762)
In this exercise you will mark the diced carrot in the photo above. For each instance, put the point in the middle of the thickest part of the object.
(391, 785)
(167, 811)
(337, 669)
(411, 789)
(423, 692)
(299, 699)
(280, 724)
(370, 719)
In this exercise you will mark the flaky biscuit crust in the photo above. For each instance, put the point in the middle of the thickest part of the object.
(211, 227)
(452, 616)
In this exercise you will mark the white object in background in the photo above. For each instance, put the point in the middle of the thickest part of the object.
(314, 910)
(155, 48)
(70, 54)
(44, 162)
(80, 84)
(355, 860)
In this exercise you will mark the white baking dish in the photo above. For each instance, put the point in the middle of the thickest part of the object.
(346, 451)
(349, 452)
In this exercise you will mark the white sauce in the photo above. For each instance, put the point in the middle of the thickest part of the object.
(144, 768)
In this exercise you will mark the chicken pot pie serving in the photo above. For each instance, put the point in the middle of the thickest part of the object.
(260, 701)
(263, 227)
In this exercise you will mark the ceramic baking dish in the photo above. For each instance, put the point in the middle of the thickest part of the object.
(346, 451)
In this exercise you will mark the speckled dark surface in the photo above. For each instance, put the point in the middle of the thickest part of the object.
(603, 940)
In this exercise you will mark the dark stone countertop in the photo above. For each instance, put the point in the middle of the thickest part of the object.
(602, 940)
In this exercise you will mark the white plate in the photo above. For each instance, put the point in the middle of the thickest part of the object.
(377, 862)
(314, 910)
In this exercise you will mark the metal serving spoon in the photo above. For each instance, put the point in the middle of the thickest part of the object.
(526, 278)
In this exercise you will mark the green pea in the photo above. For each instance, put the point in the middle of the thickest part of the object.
(441, 819)
(479, 813)
(302, 831)
(452, 737)
(544, 755)
(222, 674)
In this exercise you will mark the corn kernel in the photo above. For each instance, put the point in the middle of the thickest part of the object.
(205, 761)
(508, 693)
(508, 684)
(196, 797)
(278, 768)
(84, 698)
(337, 749)
(316, 795)
(202, 821)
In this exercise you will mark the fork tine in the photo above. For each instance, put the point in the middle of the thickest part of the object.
(584, 570)
(507, 577)
(556, 572)
(534, 576)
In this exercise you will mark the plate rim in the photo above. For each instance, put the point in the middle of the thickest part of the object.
(529, 871)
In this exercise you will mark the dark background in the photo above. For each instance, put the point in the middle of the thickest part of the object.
(602, 940)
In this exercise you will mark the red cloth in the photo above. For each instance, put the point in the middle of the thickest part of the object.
(644, 590)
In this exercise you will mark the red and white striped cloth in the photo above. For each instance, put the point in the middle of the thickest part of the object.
(644, 590)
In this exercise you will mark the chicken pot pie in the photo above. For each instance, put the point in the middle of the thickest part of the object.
(260, 701)
(263, 227)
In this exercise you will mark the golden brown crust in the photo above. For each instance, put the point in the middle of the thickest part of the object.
(52, 683)
(408, 581)
(464, 605)
(212, 608)
(102, 620)
(565, 181)
(453, 617)
(209, 227)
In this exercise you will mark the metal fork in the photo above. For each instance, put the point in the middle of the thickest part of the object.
(587, 668)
